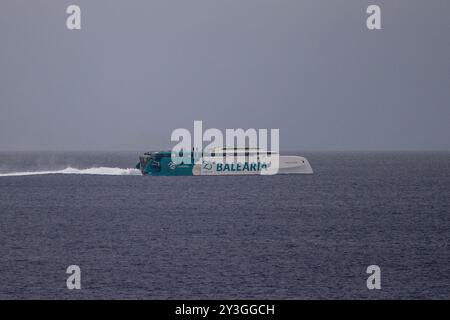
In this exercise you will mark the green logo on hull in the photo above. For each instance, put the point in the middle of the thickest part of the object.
(221, 167)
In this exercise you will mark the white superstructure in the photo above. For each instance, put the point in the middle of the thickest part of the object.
(243, 161)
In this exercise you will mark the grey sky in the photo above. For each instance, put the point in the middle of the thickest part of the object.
(139, 69)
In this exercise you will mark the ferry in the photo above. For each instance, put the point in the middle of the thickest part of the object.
(221, 161)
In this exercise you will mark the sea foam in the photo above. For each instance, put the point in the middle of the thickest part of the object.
(69, 170)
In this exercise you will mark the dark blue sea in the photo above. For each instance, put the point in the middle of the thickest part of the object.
(277, 237)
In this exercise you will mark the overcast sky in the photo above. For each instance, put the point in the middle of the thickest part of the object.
(139, 69)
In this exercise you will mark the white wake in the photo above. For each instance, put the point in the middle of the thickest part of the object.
(95, 171)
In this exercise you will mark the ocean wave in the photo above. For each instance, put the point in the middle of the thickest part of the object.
(69, 170)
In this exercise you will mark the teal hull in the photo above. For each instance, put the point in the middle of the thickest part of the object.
(161, 165)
